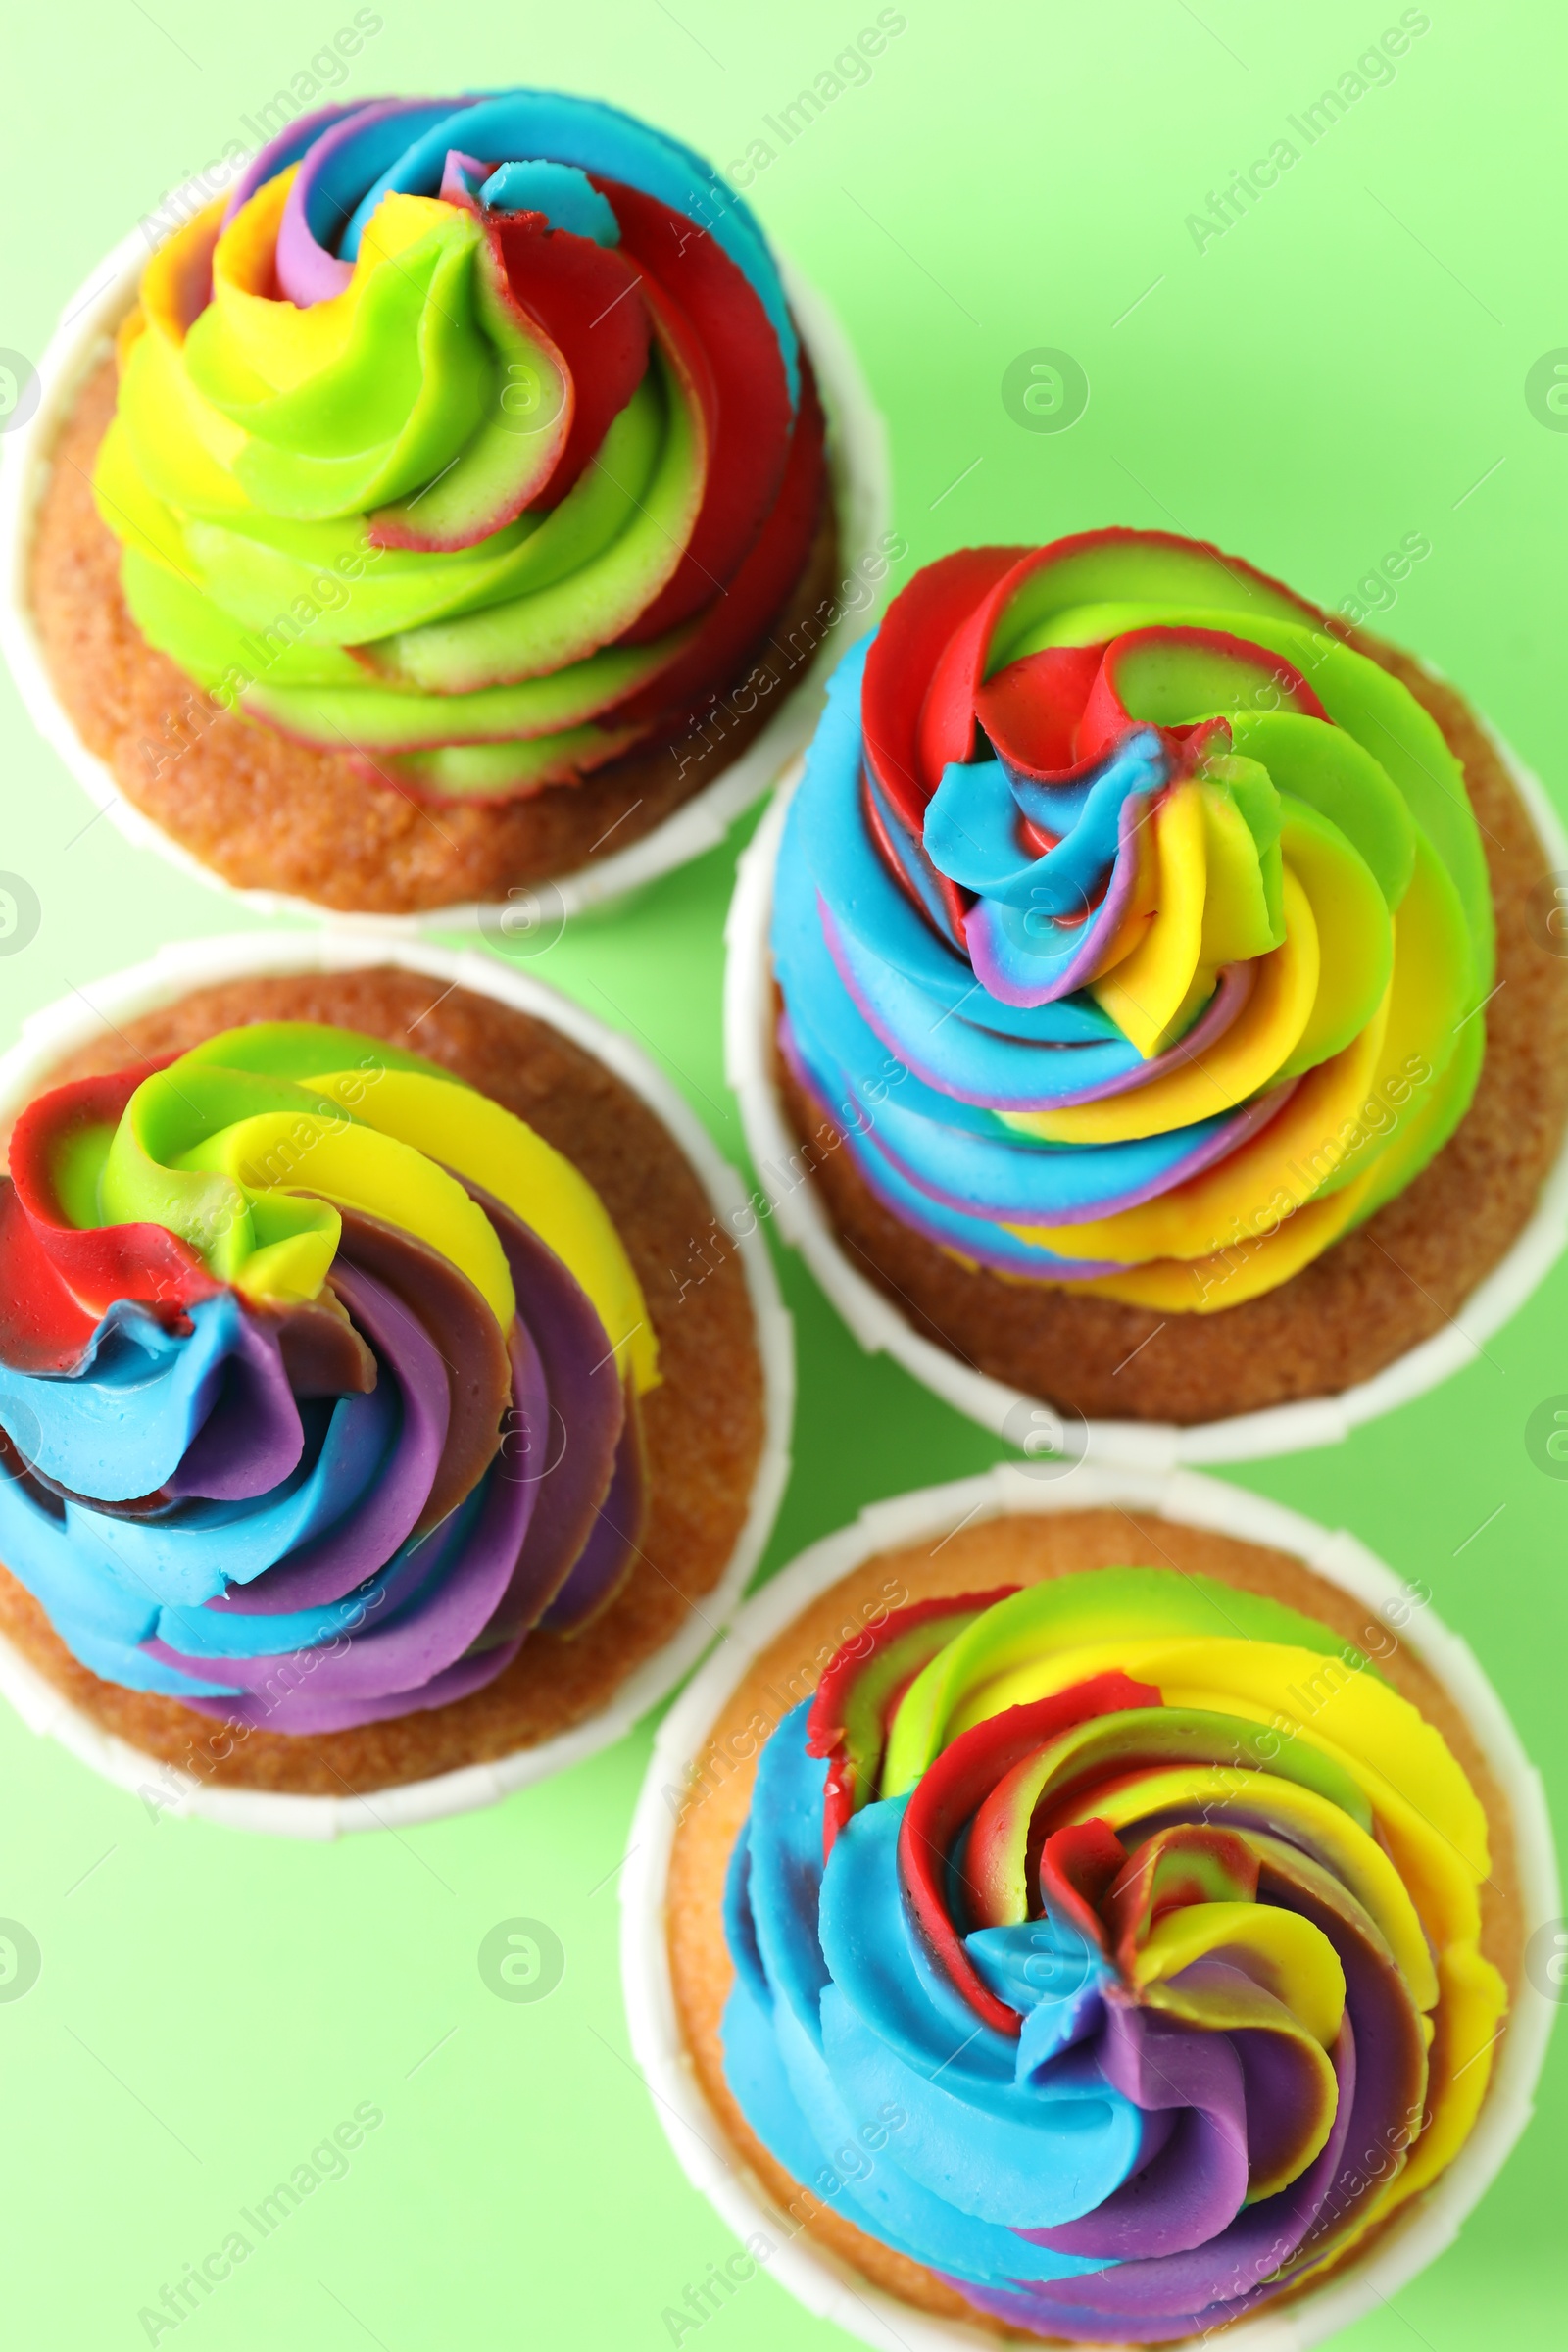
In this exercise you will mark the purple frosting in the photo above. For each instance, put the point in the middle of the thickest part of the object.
(369, 1534)
(566, 1457)
(253, 1436)
(417, 1619)
(612, 1546)
(289, 1574)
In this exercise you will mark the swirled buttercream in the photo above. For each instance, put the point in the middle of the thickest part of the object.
(1123, 1928)
(471, 437)
(318, 1379)
(1132, 925)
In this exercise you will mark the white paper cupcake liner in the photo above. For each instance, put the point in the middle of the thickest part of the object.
(174, 973)
(802, 1219)
(829, 2287)
(858, 462)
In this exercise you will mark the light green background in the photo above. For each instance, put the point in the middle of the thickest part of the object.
(1335, 371)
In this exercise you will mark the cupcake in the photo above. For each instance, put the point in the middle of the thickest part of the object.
(1163, 1016)
(457, 505)
(354, 1432)
(1081, 1924)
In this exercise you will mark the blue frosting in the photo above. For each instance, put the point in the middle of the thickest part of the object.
(120, 1423)
(960, 1153)
(199, 1548)
(971, 828)
(372, 148)
(565, 196)
(862, 2070)
(916, 1058)
(580, 132)
(979, 1237)
(110, 1584)
(868, 905)
(1003, 1072)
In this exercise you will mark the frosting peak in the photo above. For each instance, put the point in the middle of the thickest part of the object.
(1151, 1910)
(469, 437)
(1170, 905)
(290, 1326)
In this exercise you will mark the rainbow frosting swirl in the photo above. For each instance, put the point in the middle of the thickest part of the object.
(1131, 926)
(471, 437)
(1110, 1947)
(318, 1380)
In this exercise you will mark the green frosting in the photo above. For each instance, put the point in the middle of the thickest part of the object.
(258, 462)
